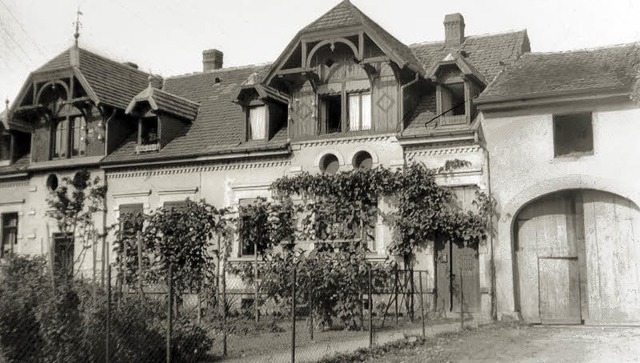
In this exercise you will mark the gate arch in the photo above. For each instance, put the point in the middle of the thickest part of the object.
(576, 256)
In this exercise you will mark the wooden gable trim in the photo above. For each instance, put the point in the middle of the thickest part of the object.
(331, 33)
(86, 86)
(321, 44)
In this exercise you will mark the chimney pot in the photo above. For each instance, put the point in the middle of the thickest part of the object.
(156, 81)
(453, 30)
(211, 60)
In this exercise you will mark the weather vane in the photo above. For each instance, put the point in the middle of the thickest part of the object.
(78, 25)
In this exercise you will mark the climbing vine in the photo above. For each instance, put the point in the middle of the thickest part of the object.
(337, 213)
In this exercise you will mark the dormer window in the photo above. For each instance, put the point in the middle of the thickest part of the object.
(359, 111)
(257, 122)
(452, 98)
(69, 137)
(149, 131)
(5, 147)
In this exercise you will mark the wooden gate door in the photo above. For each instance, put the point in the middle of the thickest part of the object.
(559, 291)
(452, 263)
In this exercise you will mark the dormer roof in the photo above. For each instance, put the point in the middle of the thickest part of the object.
(465, 68)
(105, 81)
(160, 100)
(346, 15)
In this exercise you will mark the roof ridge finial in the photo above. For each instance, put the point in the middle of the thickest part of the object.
(78, 25)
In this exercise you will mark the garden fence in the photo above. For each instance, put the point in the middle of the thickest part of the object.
(156, 322)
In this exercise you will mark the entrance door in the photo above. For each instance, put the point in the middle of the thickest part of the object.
(456, 266)
(559, 291)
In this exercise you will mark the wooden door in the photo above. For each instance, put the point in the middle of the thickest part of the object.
(453, 262)
(465, 272)
(547, 235)
(559, 291)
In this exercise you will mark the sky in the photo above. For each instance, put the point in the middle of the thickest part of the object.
(167, 37)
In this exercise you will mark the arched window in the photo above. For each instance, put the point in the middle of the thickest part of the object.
(329, 164)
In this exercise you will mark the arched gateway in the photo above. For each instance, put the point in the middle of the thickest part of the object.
(577, 259)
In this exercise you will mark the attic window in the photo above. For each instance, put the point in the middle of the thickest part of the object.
(257, 122)
(148, 135)
(5, 147)
(452, 97)
(572, 134)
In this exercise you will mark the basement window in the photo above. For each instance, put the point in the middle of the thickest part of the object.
(572, 134)
(330, 114)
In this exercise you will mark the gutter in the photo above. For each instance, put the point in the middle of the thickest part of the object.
(549, 97)
(226, 155)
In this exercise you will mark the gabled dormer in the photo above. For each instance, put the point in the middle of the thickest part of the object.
(265, 108)
(161, 116)
(68, 103)
(343, 74)
(458, 83)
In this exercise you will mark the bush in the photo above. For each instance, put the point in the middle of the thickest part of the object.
(22, 288)
(38, 324)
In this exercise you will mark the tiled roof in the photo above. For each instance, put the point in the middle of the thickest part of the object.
(17, 166)
(219, 125)
(160, 100)
(486, 53)
(113, 83)
(542, 74)
(346, 14)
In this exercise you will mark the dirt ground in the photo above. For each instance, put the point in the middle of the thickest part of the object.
(515, 343)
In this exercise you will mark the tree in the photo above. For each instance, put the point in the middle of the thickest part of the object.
(73, 206)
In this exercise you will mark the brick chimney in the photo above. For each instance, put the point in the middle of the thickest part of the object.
(156, 81)
(211, 60)
(453, 30)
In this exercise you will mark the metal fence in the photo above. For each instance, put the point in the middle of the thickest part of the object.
(155, 322)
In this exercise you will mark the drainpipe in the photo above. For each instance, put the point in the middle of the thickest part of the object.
(401, 121)
(494, 308)
(105, 250)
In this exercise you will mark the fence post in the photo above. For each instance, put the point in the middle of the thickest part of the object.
(223, 283)
(421, 302)
(461, 302)
(140, 272)
(170, 313)
(370, 306)
(311, 322)
(293, 316)
(395, 290)
(107, 355)
(255, 281)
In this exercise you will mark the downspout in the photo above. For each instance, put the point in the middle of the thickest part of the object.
(105, 250)
(494, 308)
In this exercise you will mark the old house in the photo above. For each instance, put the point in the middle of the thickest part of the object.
(343, 94)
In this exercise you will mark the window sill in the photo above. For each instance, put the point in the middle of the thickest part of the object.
(250, 258)
(573, 156)
(147, 148)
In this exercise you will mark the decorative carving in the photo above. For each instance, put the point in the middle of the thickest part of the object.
(385, 102)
